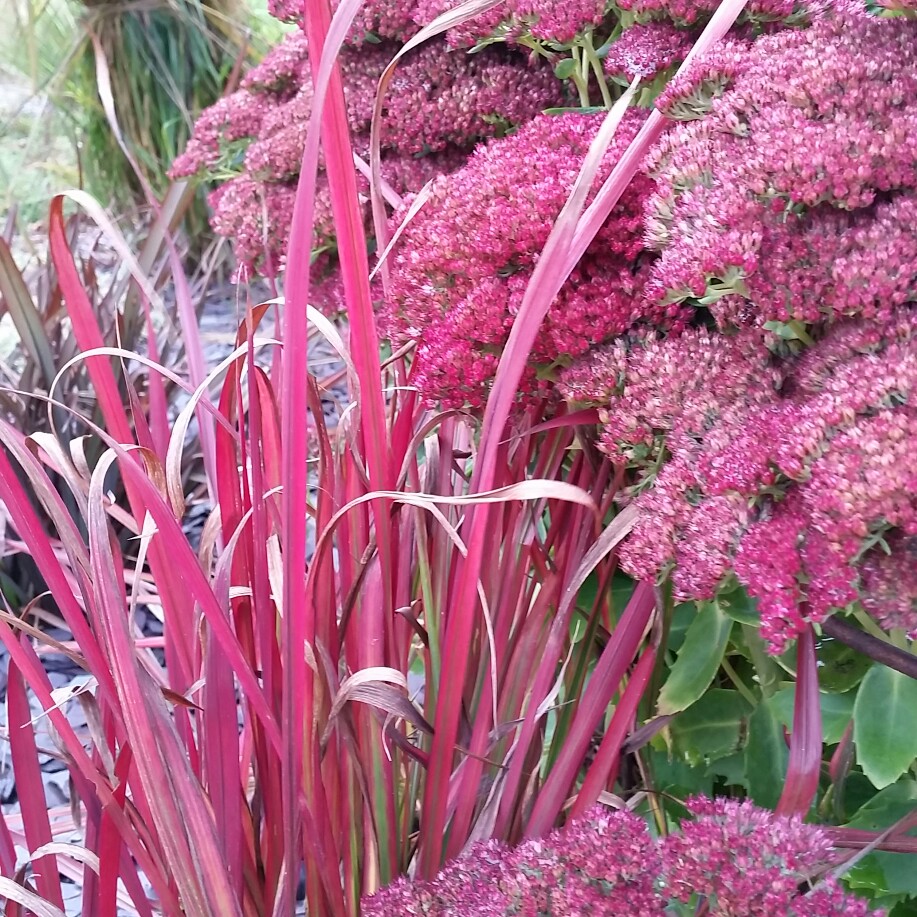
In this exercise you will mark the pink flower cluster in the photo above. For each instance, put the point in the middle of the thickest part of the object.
(646, 50)
(797, 474)
(439, 105)
(741, 860)
(461, 267)
(658, 393)
(543, 20)
(688, 12)
(392, 19)
(792, 182)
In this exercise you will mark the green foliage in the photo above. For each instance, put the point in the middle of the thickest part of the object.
(884, 718)
(698, 659)
(765, 755)
(890, 876)
(163, 63)
(711, 728)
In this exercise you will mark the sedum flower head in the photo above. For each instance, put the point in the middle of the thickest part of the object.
(390, 19)
(556, 21)
(653, 390)
(647, 49)
(462, 265)
(745, 860)
(439, 105)
(742, 860)
(797, 474)
(688, 12)
(792, 178)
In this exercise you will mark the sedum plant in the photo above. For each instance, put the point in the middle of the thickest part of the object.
(730, 859)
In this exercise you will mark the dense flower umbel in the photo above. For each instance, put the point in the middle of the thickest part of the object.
(393, 19)
(742, 860)
(605, 863)
(748, 860)
(797, 182)
(796, 475)
(687, 12)
(670, 391)
(439, 103)
(461, 267)
(257, 214)
(645, 50)
(543, 20)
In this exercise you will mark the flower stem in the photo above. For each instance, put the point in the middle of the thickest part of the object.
(593, 60)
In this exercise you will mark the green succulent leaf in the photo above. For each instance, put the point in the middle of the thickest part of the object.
(766, 754)
(711, 728)
(836, 710)
(885, 725)
(891, 874)
(698, 660)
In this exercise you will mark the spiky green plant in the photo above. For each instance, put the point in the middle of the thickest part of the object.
(129, 79)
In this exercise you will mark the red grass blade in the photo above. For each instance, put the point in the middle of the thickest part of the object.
(603, 685)
(85, 327)
(604, 769)
(184, 822)
(29, 786)
(806, 741)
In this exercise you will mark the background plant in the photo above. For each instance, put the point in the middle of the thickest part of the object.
(155, 66)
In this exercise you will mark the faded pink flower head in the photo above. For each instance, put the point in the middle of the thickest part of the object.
(439, 105)
(800, 479)
(688, 12)
(389, 19)
(543, 20)
(747, 860)
(742, 860)
(646, 50)
(794, 188)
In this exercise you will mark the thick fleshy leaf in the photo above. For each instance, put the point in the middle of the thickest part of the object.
(836, 710)
(698, 660)
(765, 755)
(884, 718)
(882, 872)
(711, 728)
